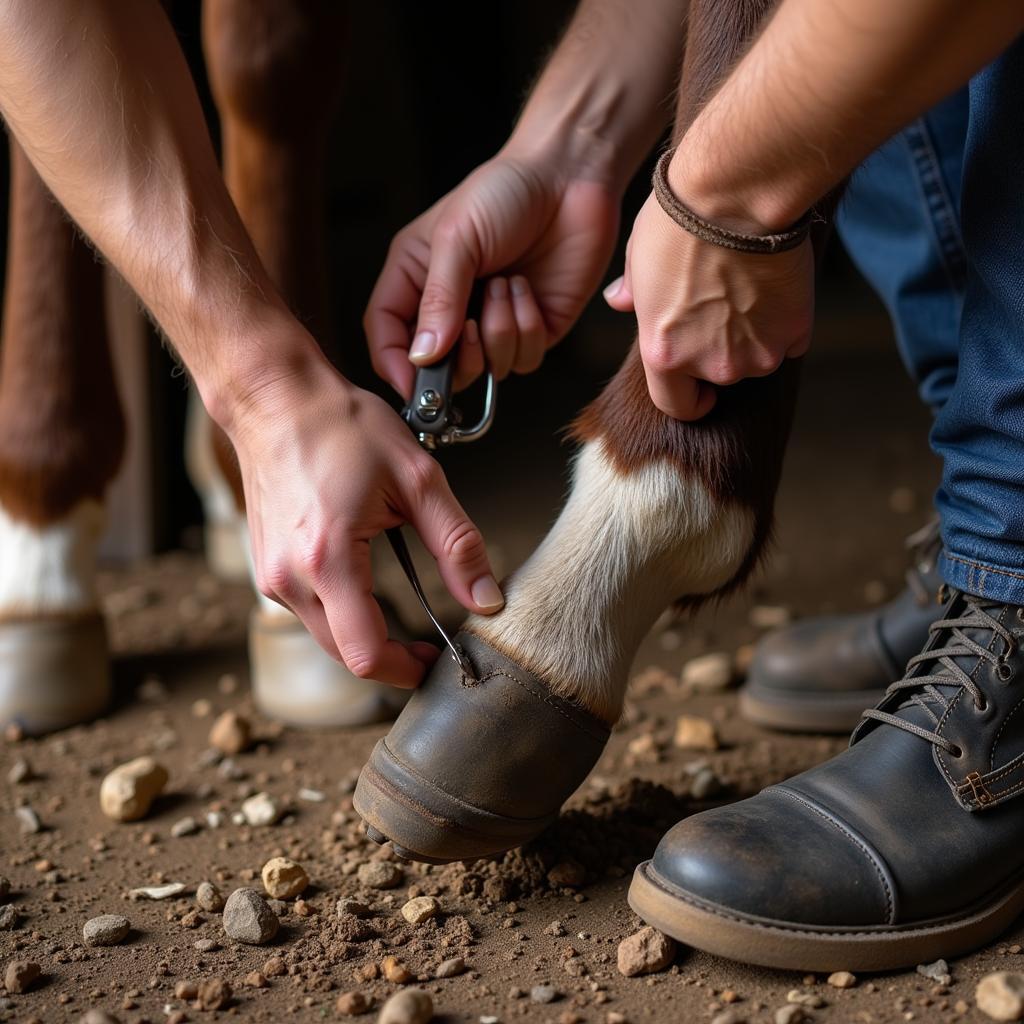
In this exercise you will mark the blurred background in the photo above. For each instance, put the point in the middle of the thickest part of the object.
(431, 91)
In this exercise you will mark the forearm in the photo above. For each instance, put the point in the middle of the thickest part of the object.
(605, 95)
(825, 84)
(99, 96)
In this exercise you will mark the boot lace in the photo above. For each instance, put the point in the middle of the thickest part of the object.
(924, 689)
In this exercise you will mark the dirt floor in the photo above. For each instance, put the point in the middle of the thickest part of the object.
(858, 479)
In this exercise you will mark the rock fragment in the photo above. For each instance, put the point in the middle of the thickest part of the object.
(184, 827)
(8, 918)
(709, 673)
(28, 820)
(284, 878)
(569, 874)
(209, 898)
(231, 733)
(544, 993)
(693, 733)
(937, 972)
(1001, 995)
(261, 810)
(21, 976)
(127, 793)
(420, 909)
(97, 1017)
(792, 1013)
(214, 994)
(379, 874)
(157, 892)
(645, 952)
(451, 968)
(21, 771)
(842, 979)
(106, 930)
(351, 1004)
(248, 919)
(395, 971)
(411, 1006)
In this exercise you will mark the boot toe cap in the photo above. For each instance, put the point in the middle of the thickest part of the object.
(778, 858)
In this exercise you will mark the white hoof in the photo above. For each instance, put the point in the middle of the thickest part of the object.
(295, 681)
(54, 672)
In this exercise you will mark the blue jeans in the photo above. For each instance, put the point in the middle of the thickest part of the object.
(935, 221)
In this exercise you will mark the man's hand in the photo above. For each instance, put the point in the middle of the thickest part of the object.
(707, 315)
(541, 237)
(326, 467)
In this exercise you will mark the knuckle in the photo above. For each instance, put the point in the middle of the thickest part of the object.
(463, 543)
(312, 556)
(424, 475)
(661, 354)
(360, 661)
(274, 579)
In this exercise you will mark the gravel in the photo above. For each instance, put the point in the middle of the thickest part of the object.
(411, 1006)
(646, 952)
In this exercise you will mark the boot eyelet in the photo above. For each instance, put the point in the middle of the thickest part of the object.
(1004, 670)
(982, 707)
(956, 752)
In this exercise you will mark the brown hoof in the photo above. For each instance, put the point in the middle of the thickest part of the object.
(473, 768)
(54, 672)
(296, 682)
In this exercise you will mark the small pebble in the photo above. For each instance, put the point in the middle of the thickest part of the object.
(352, 1004)
(205, 946)
(1000, 995)
(379, 874)
(708, 674)
(842, 979)
(261, 810)
(106, 930)
(347, 905)
(184, 827)
(645, 952)
(937, 971)
(231, 733)
(254, 979)
(792, 1013)
(97, 1017)
(411, 1006)
(284, 878)
(544, 994)
(395, 971)
(127, 793)
(21, 976)
(214, 994)
(8, 918)
(157, 892)
(21, 771)
(420, 909)
(450, 968)
(29, 820)
(209, 898)
(248, 919)
(694, 733)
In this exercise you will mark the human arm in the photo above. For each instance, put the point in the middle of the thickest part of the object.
(824, 84)
(99, 96)
(539, 219)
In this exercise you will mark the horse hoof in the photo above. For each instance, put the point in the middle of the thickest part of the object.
(473, 768)
(54, 672)
(296, 682)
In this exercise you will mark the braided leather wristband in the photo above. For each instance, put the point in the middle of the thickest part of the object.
(779, 241)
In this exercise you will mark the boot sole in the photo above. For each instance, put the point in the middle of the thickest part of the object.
(835, 713)
(799, 947)
(424, 823)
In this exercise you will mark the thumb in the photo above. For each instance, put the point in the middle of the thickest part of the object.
(446, 291)
(457, 546)
(619, 294)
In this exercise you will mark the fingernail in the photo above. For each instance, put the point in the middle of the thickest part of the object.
(423, 345)
(519, 286)
(498, 288)
(613, 289)
(487, 594)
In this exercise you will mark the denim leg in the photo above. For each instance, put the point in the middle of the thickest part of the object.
(899, 221)
(980, 431)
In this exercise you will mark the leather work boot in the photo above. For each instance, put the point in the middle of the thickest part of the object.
(820, 674)
(907, 847)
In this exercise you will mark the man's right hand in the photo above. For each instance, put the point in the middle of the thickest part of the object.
(542, 238)
(326, 467)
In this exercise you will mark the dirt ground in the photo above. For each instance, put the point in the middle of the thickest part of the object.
(858, 479)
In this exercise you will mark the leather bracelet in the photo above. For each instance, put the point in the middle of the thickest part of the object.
(778, 241)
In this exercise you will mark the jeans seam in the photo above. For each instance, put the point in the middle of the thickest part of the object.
(982, 569)
(944, 219)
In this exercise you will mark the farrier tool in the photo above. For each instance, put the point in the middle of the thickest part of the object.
(436, 423)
